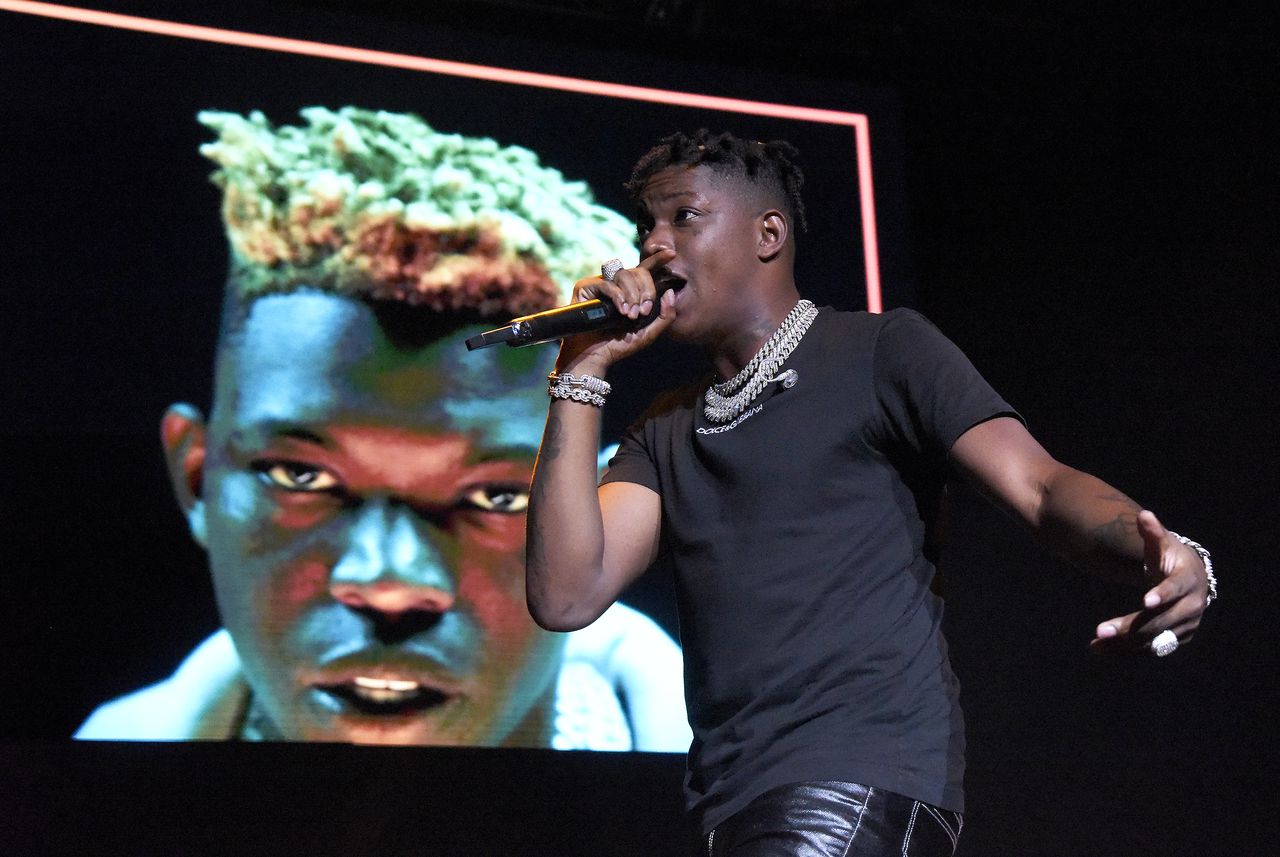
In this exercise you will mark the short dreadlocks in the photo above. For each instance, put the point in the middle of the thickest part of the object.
(768, 165)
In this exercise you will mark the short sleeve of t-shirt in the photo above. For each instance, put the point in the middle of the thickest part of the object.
(928, 390)
(634, 460)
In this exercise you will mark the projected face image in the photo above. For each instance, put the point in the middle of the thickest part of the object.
(360, 483)
(361, 497)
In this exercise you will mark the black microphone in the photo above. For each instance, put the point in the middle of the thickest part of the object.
(558, 323)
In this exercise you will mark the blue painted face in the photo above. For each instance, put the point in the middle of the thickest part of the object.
(363, 506)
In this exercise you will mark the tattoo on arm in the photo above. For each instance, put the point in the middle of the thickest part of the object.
(552, 438)
(1120, 530)
(535, 548)
(552, 443)
(1115, 533)
(1117, 497)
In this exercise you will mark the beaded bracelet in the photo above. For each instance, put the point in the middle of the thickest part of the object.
(1208, 565)
(587, 389)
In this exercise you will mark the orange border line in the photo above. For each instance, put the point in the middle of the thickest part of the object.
(857, 121)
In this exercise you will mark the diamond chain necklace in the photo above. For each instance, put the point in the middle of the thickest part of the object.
(730, 398)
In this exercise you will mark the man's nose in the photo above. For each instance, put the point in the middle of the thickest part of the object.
(658, 238)
(390, 564)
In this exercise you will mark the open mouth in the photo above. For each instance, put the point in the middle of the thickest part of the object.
(670, 283)
(385, 696)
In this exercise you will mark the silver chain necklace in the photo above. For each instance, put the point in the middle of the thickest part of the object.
(727, 400)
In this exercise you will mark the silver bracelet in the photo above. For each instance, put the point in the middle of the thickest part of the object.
(580, 388)
(1208, 565)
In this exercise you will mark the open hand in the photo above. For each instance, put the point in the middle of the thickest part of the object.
(1176, 601)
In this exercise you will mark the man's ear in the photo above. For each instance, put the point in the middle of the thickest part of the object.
(773, 232)
(183, 432)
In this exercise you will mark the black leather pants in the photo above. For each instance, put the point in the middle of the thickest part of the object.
(832, 819)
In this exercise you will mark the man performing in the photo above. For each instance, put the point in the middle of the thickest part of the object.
(360, 484)
(794, 494)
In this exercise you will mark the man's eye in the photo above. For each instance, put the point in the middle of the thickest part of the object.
(498, 498)
(685, 214)
(292, 476)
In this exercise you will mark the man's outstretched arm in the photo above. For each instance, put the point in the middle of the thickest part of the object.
(1092, 525)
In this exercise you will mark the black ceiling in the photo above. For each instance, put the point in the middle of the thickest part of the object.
(858, 36)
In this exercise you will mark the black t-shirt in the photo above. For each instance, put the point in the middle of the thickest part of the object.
(813, 644)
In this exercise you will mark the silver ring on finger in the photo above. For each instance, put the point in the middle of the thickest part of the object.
(1163, 644)
(610, 269)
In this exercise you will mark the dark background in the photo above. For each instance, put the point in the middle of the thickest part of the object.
(1091, 212)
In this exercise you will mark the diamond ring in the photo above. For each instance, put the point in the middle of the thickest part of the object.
(610, 269)
(1165, 643)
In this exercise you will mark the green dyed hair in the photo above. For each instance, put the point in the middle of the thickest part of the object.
(379, 205)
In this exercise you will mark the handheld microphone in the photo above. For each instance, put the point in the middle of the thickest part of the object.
(553, 324)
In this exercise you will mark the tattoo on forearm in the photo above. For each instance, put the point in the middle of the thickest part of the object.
(1120, 530)
(535, 552)
(552, 438)
(1117, 497)
(1116, 533)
